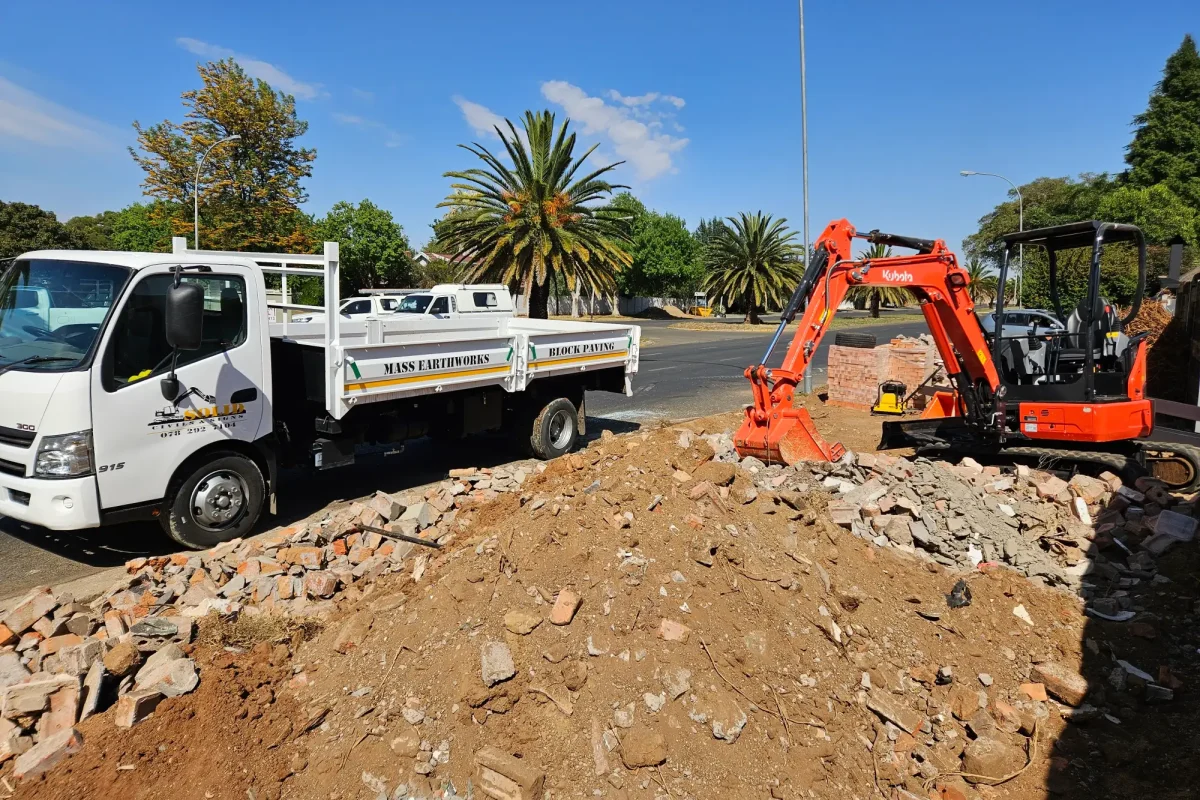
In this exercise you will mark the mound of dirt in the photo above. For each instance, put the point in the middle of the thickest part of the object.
(669, 311)
(651, 617)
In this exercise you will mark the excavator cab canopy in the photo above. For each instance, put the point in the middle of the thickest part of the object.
(1090, 360)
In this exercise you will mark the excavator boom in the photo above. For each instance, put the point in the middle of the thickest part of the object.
(773, 430)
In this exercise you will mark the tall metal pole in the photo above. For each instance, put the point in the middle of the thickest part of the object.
(804, 160)
(196, 190)
(966, 173)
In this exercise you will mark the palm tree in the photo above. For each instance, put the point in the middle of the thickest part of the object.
(526, 223)
(754, 260)
(875, 296)
(984, 284)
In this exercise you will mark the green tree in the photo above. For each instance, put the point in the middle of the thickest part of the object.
(251, 190)
(527, 223)
(93, 232)
(876, 296)
(373, 248)
(707, 230)
(25, 227)
(1166, 143)
(754, 260)
(1160, 213)
(666, 258)
(144, 227)
(983, 284)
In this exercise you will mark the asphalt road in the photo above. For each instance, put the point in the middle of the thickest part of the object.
(682, 374)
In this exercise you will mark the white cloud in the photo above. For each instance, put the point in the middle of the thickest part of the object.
(392, 138)
(28, 117)
(254, 68)
(678, 102)
(646, 149)
(362, 94)
(639, 100)
(482, 119)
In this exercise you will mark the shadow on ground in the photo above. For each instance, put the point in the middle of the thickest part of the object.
(1138, 738)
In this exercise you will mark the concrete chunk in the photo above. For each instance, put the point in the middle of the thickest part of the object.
(496, 663)
(32, 696)
(135, 706)
(170, 678)
(502, 777)
(47, 753)
(1061, 681)
(35, 606)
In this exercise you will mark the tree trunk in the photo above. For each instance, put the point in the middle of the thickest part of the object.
(875, 305)
(575, 303)
(751, 310)
(616, 305)
(539, 298)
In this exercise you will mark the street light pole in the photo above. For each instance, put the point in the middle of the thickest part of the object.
(807, 386)
(196, 188)
(966, 173)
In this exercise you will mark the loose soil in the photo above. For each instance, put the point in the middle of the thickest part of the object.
(325, 718)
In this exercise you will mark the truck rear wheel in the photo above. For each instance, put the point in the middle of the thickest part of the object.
(218, 498)
(555, 429)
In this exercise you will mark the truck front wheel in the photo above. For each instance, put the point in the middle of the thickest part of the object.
(219, 499)
(555, 429)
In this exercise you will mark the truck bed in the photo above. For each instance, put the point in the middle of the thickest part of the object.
(383, 359)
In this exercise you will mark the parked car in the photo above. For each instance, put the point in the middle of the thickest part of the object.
(359, 308)
(1025, 322)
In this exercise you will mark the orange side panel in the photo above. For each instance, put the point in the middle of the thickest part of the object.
(1084, 422)
(943, 404)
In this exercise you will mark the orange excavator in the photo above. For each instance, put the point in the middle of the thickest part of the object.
(1076, 394)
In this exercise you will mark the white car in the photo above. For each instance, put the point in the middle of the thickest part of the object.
(359, 308)
(444, 301)
(1023, 322)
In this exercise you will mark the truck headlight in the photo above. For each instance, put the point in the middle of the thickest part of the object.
(66, 456)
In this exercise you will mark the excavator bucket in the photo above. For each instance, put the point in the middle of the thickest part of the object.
(787, 436)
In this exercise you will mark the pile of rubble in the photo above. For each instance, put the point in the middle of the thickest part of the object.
(1052, 527)
(62, 661)
(652, 616)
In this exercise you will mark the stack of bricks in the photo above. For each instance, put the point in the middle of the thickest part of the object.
(856, 372)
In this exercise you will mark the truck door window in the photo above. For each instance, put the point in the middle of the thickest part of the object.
(138, 349)
(440, 306)
(389, 303)
(358, 307)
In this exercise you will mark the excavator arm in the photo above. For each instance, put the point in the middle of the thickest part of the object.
(773, 430)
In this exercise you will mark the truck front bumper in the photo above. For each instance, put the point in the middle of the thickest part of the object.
(60, 505)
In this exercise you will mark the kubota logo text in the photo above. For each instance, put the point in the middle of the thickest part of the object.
(898, 277)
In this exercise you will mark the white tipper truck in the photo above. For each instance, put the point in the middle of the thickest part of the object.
(182, 399)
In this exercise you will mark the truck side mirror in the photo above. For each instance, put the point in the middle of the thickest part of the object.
(185, 316)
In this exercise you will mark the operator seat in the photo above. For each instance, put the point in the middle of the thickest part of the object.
(1103, 336)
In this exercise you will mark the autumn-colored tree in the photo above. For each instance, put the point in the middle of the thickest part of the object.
(250, 190)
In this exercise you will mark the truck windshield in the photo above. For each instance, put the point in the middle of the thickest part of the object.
(414, 304)
(51, 312)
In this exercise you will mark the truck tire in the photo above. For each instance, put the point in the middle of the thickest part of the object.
(217, 498)
(846, 339)
(555, 429)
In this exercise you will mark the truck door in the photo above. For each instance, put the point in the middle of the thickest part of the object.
(140, 437)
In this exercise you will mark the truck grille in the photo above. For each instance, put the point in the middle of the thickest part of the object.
(16, 438)
(12, 468)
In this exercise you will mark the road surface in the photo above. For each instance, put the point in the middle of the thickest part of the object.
(683, 374)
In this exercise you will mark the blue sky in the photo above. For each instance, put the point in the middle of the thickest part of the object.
(701, 98)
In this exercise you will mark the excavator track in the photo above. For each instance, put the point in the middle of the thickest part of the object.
(1175, 464)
